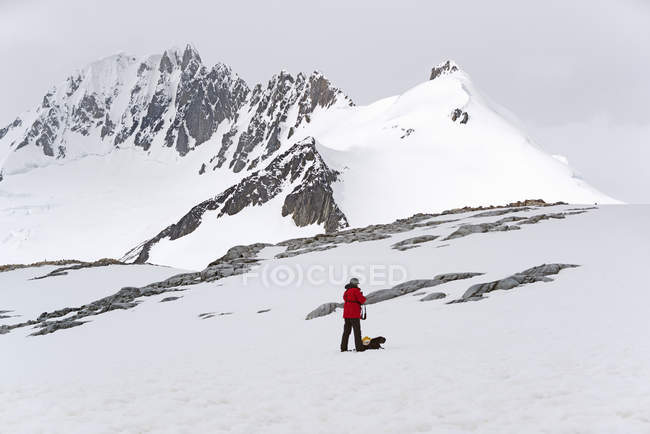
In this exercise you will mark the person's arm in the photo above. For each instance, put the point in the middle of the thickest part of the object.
(360, 298)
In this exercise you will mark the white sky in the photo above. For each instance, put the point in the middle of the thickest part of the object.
(574, 71)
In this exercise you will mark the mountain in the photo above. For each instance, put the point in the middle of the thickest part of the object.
(163, 101)
(173, 161)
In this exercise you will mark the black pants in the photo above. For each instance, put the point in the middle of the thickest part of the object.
(352, 323)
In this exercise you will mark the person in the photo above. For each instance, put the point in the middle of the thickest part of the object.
(353, 298)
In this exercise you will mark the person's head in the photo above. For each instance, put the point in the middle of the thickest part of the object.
(354, 282)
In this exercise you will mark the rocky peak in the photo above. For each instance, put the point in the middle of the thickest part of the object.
(274, 119)
(444, 68)
(191, 62)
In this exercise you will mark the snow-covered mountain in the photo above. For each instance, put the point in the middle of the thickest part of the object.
(171, 160)
(164, 101)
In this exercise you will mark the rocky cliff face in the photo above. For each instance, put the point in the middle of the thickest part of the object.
(272, 115)
(178, 98)
(168, 101)
(444, 68)
(300, 173)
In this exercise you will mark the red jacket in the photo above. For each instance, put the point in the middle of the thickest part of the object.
(353, 298)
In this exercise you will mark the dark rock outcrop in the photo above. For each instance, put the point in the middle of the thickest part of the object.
(323, 310)
(434, 296)
(499, 212)
(411, 243)
(168, 299)
(460, 115)
(501, 226)
(64, 270)
(531, 275)
(447, 67)
(498, 226)
(208, 315)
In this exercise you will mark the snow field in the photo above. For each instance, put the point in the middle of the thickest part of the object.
(568, 356)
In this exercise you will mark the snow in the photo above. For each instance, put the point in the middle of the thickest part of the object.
(568, 356)
(487, 160)
(117, 201)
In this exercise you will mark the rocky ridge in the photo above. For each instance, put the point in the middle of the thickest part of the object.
(170, 101)
(300, 170)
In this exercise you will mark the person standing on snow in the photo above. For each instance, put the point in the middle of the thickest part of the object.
(353, 298)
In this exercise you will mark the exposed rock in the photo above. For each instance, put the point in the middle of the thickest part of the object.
(263, 310)
(240, 252)
(445, 68)
(414, 285)
(411, 243)
(16, 123)
(51, 327)
(64, 270)
(449, 277)
(434, 296)
(518, 204)
(209, 315)
(468, 229)
(498, 212)
(291, 253)
(460, 115)
(313, 201)
(323, 309)
(401, 289)
(166, 299)
(11, 267)
(500, 225)
(531, 275)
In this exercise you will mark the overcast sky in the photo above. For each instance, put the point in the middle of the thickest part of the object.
(575, 72)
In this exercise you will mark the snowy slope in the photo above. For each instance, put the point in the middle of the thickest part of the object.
(564, 356)
(126, 147)
(389, 147)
